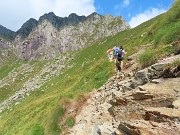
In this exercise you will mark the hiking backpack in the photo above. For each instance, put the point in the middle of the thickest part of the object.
(116, 51)
(120, 53)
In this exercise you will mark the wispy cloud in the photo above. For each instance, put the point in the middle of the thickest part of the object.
(13, 13)
(126, 3)
(119, 7)
(146, 15)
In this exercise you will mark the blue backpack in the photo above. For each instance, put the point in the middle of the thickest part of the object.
(116, 51)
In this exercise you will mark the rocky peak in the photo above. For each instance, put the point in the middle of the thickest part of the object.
(74, 19)
(59, 22)
(48, 16)
(27, 27)
(6, 33)
(94, 16)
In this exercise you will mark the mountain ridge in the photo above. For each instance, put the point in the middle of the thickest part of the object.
(36, 37)
(56, 21)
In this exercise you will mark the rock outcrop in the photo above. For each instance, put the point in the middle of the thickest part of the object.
(145, 103)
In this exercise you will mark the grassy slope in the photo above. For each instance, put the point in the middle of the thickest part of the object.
(42, 111)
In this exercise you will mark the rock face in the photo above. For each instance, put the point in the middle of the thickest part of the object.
(150, 107)
(51, 35)
(54, 34)
(5, 50)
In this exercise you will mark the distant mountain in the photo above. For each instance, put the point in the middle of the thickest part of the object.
(58, 34)
(50, 35)
(6, 33)
(56, 21)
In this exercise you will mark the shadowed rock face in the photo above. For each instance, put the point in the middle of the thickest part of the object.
(27, 27)
(6, 33)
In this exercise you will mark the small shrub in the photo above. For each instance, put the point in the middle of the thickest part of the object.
(70, 122)
(54, 127)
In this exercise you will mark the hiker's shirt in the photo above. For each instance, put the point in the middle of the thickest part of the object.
(123, 52)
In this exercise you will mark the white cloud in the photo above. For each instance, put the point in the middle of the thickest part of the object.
(13, 13)
(142, 17)
(126, 3)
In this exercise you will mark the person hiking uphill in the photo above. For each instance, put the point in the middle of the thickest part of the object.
(120, 57)
(110, 54)
(115, 57)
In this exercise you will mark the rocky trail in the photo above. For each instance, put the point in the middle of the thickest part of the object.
(144, 103)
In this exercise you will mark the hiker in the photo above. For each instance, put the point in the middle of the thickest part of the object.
(120, 57)
(115, 56)
(110, 54)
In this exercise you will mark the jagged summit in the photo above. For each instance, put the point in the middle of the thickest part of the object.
(56, 21)
(93, 15)
(27, 27)
(61, 21)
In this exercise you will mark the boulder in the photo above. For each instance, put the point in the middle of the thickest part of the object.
(176, 103)
(128, 129)
(141, 77)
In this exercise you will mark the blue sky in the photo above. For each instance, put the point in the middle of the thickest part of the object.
(139, 10)
(13, 13)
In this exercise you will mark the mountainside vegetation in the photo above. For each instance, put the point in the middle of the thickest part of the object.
(43, 111)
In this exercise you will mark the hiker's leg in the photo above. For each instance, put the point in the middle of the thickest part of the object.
(121, 65)
(118, 67)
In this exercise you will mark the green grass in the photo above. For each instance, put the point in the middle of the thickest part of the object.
(147, 58)
(8, 67)
(43, 111)
(38, 130)
(40, 106)
(174, 64)
(152, 54)
(19, 80)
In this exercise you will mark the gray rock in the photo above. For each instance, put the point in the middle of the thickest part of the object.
(141, 77)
